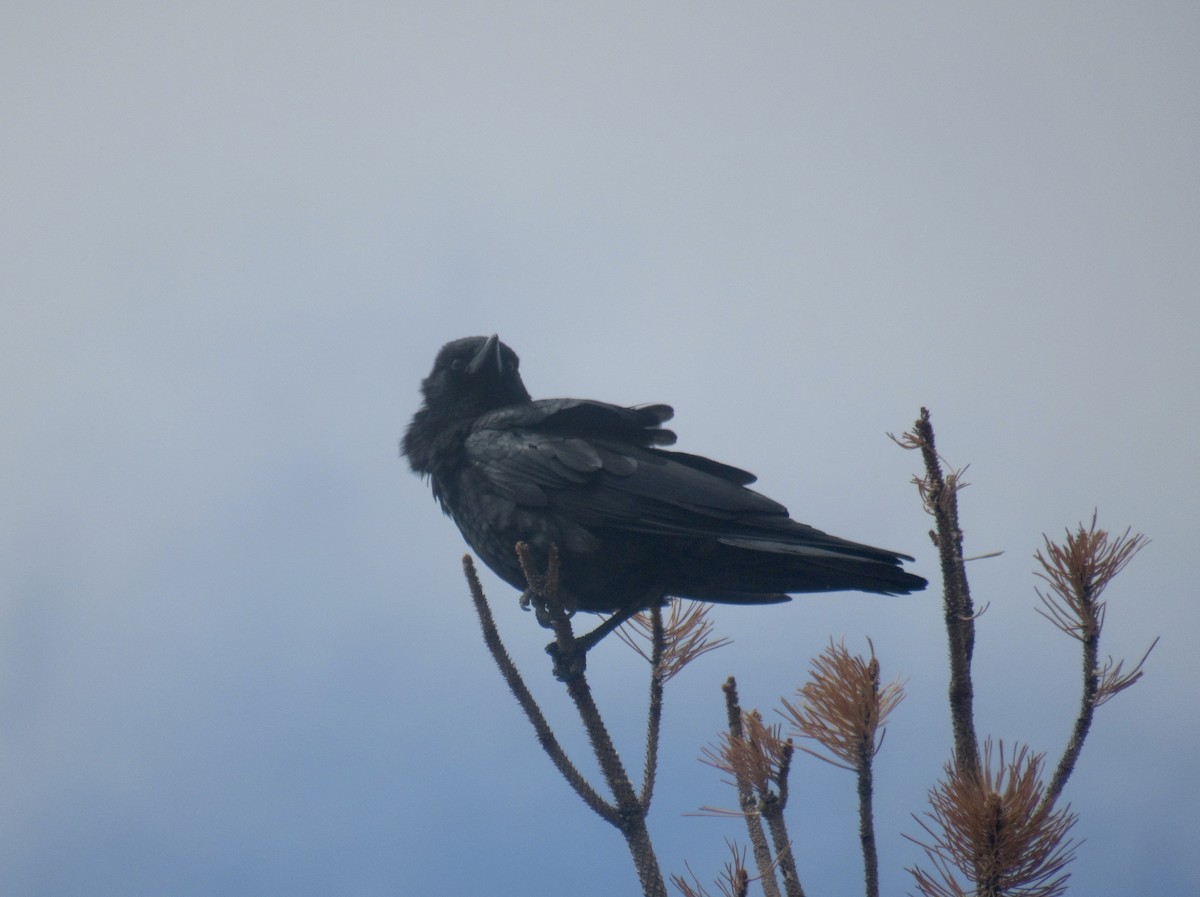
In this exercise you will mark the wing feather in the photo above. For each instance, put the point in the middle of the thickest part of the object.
(603, 471)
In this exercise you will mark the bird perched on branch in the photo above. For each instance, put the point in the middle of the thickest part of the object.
(634, 523)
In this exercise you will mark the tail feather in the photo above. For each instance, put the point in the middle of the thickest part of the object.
(742, 572)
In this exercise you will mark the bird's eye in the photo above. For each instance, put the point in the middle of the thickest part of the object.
(457, 364)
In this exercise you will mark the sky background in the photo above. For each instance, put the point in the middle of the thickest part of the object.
(237, 654)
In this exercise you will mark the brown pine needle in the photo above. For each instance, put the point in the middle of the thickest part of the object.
(843, 707)
(733, 882)
(687, 633)
(1078, 571)
(995, 831)
(760, 756)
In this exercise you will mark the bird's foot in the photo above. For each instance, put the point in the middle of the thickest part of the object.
(545, 611)
(529, 600)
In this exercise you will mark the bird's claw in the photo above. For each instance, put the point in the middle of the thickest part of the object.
(543, 611)
(532, 600)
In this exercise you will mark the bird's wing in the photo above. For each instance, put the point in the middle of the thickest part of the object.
(597, 463)
(640, 425)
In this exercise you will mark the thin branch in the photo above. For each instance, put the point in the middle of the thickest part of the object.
(759, 759)
(754, 827)
(668, 646)
(772, 811)
(1077, 573)
(866, 822)
(658, 640)
(569, 666)
(939, 493)
(516, 685)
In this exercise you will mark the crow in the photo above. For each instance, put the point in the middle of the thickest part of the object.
(634, 524)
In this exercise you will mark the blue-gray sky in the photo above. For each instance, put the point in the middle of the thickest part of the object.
(236, 652)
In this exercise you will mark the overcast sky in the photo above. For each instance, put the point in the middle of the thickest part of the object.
(236, 651)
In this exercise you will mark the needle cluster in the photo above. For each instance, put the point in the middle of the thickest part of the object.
(995, 829)
(843, 707)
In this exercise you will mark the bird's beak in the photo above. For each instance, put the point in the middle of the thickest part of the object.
(488, 354)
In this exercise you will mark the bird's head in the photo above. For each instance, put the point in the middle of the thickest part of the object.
(473, 375)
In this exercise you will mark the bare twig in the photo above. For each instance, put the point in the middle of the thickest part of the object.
(516, 685)
(746, 797)
(658, 642)
(762, 758)
(772, 810)
(668, 646)
(939, 493)
(759, 759)
(630, 812)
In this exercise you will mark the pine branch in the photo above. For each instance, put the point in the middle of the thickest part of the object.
(939, 493)
(1077, 573)
(533, 712)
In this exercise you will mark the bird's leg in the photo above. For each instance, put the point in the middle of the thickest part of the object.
(572, 662)
(552, 613)
(585, 643)
(568, 651)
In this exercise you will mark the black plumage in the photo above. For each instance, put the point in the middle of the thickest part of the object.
(633, 522)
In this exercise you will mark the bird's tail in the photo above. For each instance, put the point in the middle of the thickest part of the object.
(764, 571)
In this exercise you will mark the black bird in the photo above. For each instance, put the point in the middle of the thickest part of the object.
(634, 523)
